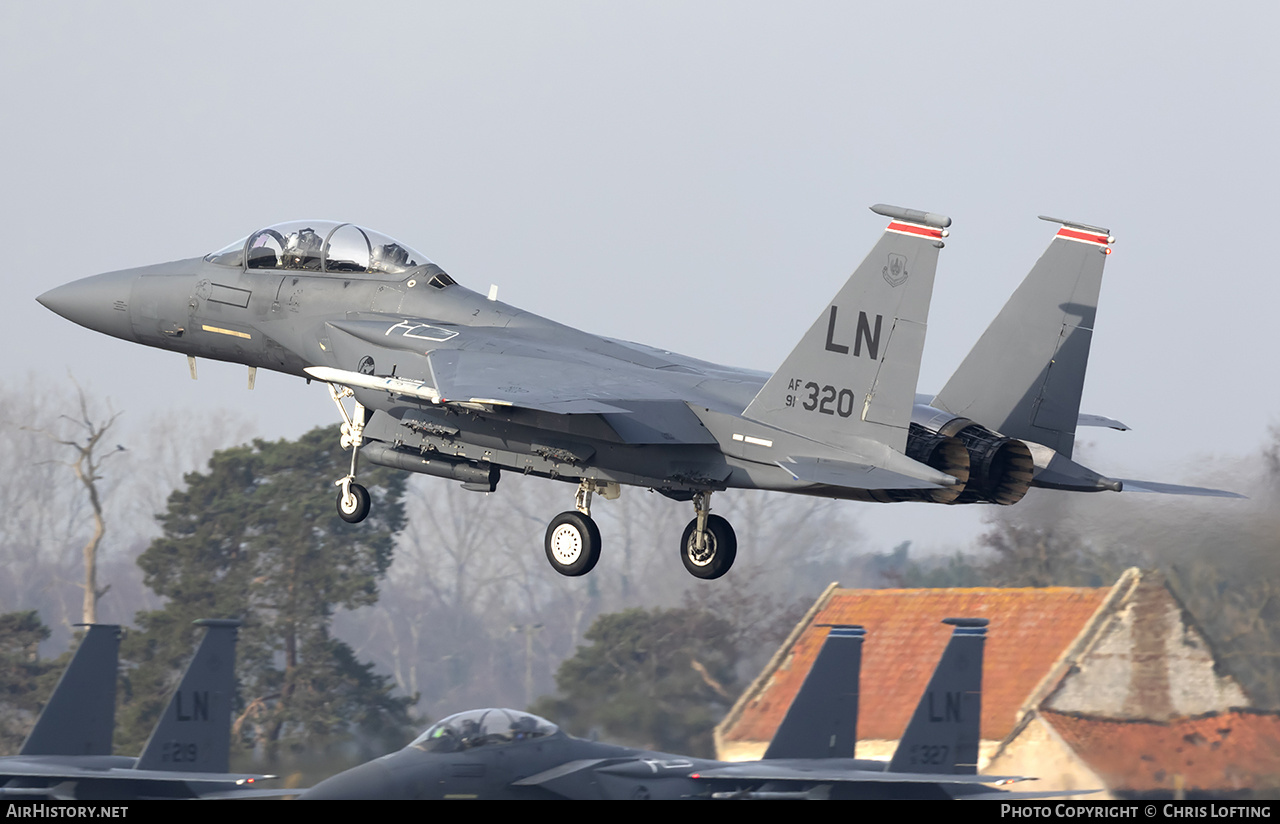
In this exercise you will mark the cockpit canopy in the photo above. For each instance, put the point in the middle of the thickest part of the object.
(323, 246)
(481, 728)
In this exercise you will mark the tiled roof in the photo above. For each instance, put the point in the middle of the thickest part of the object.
(1218, 752)
(1030, 629)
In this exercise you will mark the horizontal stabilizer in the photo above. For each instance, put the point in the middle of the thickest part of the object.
(859, 476)
(1176, 489)
(1084, 419)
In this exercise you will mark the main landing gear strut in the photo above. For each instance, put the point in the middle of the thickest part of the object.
(707, 548)
(353, 500)
(573, 539)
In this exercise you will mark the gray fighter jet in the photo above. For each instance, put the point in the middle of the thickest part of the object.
(68, 753)
(497, 753)
(448, 382)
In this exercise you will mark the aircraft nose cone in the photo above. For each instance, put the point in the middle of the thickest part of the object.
(100, 303)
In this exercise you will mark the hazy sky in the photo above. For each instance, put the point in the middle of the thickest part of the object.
(689, 175)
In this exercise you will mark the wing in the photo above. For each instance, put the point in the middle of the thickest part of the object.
(557, 371)
(64, 769)
(562, 371)
(833, 770)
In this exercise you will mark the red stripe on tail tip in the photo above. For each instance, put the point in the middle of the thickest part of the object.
(1088, 237)
(913, 229)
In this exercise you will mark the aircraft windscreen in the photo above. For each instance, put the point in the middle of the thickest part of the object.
(321, 246)
(481, 728)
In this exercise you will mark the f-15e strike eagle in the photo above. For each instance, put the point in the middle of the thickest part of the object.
(452, 383)
(68, 754)
(509, 754)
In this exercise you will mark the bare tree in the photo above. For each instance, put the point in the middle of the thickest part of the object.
(89, 457)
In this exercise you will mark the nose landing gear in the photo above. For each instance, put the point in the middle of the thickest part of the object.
(354, 502)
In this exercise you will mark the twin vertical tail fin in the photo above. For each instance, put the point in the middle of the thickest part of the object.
(1025, 375)
(822, 721)
(853, 375)
(194, 734)
(944, 733)
(81, 714)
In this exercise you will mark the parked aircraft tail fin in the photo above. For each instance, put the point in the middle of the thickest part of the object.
(81, 714)
(853, 374)
(1025, 375)
(822, 721)
(194, 734)
(945, 730)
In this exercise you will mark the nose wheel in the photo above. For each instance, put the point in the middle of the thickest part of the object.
(353, 503)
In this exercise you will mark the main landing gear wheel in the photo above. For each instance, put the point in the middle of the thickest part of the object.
(573, 543)
(353, 504)
(719, 550)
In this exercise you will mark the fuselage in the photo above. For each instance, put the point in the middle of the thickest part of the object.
(287, 320)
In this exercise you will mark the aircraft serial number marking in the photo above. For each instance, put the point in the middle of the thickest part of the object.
(825, 400)
(179, 752)
(929, 754)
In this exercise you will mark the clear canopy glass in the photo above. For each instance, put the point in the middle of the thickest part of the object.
(482, 728)
(322, 246)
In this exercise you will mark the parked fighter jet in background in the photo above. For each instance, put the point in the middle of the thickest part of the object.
(498, 753)
(447, 382)
(68, 754)
(80, 716)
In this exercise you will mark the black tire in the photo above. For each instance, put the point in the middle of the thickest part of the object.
(572, 544)
(355, 509)
(722, 549)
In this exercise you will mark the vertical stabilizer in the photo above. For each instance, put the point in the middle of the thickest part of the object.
(81, 714)
(943, 735)
(1025, 375)
(194, 734)
(853, 375)
(822, 721)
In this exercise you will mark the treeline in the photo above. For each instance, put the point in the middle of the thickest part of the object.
(443, 601)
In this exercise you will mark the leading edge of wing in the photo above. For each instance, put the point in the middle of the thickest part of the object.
(424, 391)
(832, 770)
(859, 476)
(20, 767)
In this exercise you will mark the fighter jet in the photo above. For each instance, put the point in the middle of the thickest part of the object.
(445, 381)
(68, 754)
(499, 753)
